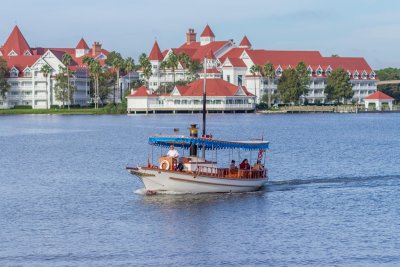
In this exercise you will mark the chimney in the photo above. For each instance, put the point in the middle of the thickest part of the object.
(190, 36)
(96, 48)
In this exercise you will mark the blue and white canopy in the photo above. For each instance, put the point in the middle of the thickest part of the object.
(186, 142)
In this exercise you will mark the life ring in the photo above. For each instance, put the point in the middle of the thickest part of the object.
(164, 165)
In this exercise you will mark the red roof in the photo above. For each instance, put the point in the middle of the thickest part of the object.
(378, 95)
(245, 42)
(198, 52)
(16, 41)
(155, 53)
(207, 32)
(210, 54)
(82, 44)
(236, 62)
(142, 92)
(214, 87)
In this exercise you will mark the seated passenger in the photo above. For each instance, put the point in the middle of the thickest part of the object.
(233, 166)
(244, 165)
(172, 152)
(258, 166)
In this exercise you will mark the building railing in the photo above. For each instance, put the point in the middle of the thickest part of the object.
(200, 106)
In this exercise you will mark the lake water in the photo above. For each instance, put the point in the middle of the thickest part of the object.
(333, 198)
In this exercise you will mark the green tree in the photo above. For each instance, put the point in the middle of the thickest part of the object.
(4, 86)
(338, 86)
(106, 83)
(173, 62)
(46, 71)
(184, 59)
(96, 70)
(111, 57)
(304, 78)
(63, 89)
(66, 60)
(255, 70)
(129, 67)
(145, 65)
(269, 72)
(163, 67)
(289, 86)
(389, 74)
(194, 68)
(117, 64)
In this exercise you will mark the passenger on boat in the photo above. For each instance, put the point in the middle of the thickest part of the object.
(245, 165)
(258, 166)
(173, 153)
(233, 166)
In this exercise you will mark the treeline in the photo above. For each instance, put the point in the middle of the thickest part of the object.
(390, 89)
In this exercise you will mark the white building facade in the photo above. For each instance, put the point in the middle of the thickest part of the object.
(30, 87)
(233, 63)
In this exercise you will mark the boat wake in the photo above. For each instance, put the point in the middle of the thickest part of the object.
(330, 182)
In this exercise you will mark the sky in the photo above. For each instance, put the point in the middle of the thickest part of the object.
(356, 28)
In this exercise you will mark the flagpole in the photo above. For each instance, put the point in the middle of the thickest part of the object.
(204, 106)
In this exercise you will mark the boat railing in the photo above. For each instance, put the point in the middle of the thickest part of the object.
(231, 173)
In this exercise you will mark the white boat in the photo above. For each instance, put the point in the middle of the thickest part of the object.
(198, 175)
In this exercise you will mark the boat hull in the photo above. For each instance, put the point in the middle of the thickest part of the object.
(156, 180)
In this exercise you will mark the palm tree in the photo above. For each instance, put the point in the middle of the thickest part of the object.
(46, 70)
(117, 64)
(185, 61)
(269, 72)
(255, 70)
(173, 62)
(163, 67)
(145, 65)
(95, 70)
(66, 60)
(129, 67)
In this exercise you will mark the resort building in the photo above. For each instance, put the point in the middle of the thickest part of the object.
(232, 62)
(31, 87)
(221, 97)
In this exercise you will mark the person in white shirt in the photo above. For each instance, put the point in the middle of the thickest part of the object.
(172, 152)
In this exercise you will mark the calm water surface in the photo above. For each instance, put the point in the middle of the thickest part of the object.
(333, 197)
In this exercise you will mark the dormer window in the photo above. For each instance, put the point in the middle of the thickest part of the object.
(12, 53)
(27, 53)
(328, 71)
(355, 75)
(364, 75)
(27, 73)
(372, 75)
(278, 71)
(318, 72)
(14, 72)
(309, 71)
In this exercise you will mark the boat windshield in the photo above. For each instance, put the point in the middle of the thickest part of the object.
(186, 142)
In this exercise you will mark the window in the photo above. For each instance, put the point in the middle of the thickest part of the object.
(228, 78)
(278, 71)
(27, 73)
(318, 72)
(355, 75)
(364, 75)
(14, 73)
(240, 80)
(372, 75)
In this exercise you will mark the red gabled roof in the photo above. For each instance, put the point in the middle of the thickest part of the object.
(207, 32)
(283, 58)
(155, 53)
(82, 44)
(378, 95)
(142, 91)
(236, 62)
(198, 52)
(210, 54)
(245, 42)
(214, 87)
(16, 41)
